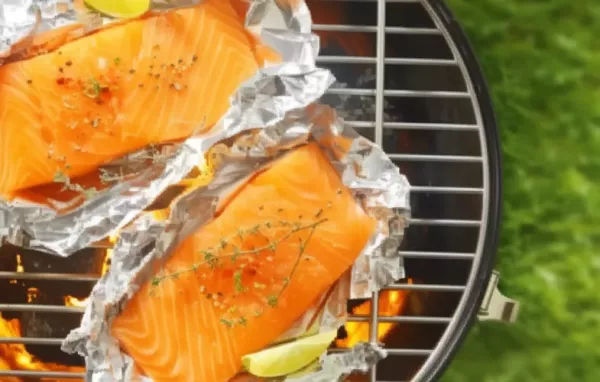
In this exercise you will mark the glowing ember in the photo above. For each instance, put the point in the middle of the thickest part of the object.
(391, 303)
(20, 268)
(16, 357)
(74, 301)
(32, 294)
(109, 252)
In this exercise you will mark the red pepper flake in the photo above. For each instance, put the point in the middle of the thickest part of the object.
(157, 76)
(132, 71)
(140, 86)
(194, 58)
(60, 81)
(69, 63)
(29, 82)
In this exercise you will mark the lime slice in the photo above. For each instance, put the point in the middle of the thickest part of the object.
(288, 358)
(122, 9)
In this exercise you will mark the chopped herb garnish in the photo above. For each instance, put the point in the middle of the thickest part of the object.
(272, 301)
(93, 89)
(227, 323)
(237, 282)
(61, 177)
(117, 60)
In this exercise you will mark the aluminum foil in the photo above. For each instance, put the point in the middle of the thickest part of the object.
(261, 101)
(333, 367)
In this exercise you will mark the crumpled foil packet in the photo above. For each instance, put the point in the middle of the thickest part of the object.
(333, 367)
(363, 168)
(261, 101)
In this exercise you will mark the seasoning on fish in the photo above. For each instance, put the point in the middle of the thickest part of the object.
(238, 283)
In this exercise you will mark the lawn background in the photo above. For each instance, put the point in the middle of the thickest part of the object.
(542, 61)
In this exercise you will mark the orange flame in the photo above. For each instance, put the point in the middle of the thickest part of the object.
(391, 303)
(20, 268)
(16, 357)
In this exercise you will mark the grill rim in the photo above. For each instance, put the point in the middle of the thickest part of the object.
(439, 362)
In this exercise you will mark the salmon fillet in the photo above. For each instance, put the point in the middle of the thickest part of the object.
(241, 281)
(148, 81)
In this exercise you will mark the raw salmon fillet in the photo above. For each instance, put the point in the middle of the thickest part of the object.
(242, 280)
(152, 80)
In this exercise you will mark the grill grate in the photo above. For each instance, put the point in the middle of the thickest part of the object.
(456, 247)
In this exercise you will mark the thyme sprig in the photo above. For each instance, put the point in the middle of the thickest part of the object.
(212, 260)
(217, 257)
(61, 177)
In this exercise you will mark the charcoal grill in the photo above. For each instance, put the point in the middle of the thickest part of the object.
(428, 106)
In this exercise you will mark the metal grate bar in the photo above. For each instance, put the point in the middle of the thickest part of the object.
(392, 351)
(405, 319)
(41, 374)
(427, 287)
(40, 308)
(447, 190)
(398, 93)
(426, 94)
(415, 126)
(31, 341)
(409, 352)
(437, 255)
(379, 118)
(446, 222)
(374, 329)
(430, 126)
(48, 276)
(436, 158)
(373, 28)
(388, 61)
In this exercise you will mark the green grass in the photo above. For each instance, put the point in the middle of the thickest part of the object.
(542, 61)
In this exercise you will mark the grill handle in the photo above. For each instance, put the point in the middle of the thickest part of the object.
(495, 306)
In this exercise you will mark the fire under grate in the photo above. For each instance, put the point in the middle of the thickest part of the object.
(408, 82)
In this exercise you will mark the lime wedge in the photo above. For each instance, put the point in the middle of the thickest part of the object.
(122, 9)
(289, 357)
